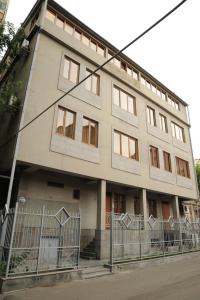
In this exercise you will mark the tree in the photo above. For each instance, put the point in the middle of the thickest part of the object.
(197, 167)
(10, 46)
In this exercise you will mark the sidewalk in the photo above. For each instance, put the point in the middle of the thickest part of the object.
(173, 280)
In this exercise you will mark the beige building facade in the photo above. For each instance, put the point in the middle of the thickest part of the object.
(120, 140)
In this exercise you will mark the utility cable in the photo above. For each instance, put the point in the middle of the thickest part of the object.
(96, 70)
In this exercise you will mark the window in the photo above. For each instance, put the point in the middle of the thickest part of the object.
(167, 161)
(152, 208)
(173, 102)
(71, 70)
(92, 84)
(154, 157)
(69, 28)
(119, 203)
(178, 132)
(182, 167)
(66, 122)
(125, 145)
(59, 22)
(124, 100)
(163, 123)
(151, 116)
(50, 16)
(90, 132)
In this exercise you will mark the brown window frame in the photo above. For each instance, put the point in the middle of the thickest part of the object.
(182, 167)
(174, 132)
(151, 121)
(129, 138)
(167, 161)
(154, 156)
(127, 97)
(92, 82)
(69, 71)
(88, 142)
(163, 119)
(63, 133)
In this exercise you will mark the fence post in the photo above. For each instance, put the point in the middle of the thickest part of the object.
(40, 238)
(140, 242)
(180, 234)
(11, 239)
(163, 236)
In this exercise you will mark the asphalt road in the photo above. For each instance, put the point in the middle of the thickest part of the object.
(169, 281)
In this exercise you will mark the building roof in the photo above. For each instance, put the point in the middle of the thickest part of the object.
(69, 16)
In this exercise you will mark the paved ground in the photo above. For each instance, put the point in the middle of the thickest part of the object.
(174, 281)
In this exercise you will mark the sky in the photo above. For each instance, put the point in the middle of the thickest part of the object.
(170, 52)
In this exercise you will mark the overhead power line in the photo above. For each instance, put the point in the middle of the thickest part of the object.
(96, 70)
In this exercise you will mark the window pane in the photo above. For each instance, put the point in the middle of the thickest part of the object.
(123, 100)
(59, 22)
(116, 96)
(88, 82)
(95, 84)
(143, 80)
(85, 131)
(116, 142)
(125, 148)
(85, 40)
(93, 46)
(148, 85)
(50, 16)
(130, 104)
(74, 72)
(117, 62)
(132, 147)
(153, 88)
(77, 34)
(66, 68)
(163, 96)
(60, 121)
(68, 28)
(135, 75)
(100, 50)
(93, 133)
(129, 71)
(69, 125)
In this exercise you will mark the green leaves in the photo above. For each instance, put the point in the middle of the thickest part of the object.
(197, 167)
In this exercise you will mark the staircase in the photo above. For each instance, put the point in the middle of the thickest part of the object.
(93, 272)
(89, 251)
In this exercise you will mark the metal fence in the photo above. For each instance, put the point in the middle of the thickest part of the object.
(38, 240)
(134, 239)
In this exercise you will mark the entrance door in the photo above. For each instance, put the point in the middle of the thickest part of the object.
(165, 210)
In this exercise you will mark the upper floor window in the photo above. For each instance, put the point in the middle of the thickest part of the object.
(163, 123)
(71, 70)
(178, 132)
(92, 84)
(90, 132)
(173, 102)
(182, 167)
(154, 156)
(151, 116)
(66, 122)
(125, 145)
(146, 82)
(124, 100)
(50, 16)
(167, 161)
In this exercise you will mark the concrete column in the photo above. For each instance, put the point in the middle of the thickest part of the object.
(101, 205)
(175, 207)
(144, 206)
(100, 236)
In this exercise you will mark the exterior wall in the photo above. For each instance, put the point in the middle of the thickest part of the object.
(50, 150)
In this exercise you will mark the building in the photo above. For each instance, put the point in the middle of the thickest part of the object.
(3, 9)
(120, 139)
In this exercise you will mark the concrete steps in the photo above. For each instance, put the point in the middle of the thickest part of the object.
(94, 272)
(89, 251)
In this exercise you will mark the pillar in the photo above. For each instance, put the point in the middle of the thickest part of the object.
(100, 235)
(144, 204)
(175, 208)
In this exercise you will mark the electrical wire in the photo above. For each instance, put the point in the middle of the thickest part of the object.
(96, 70)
